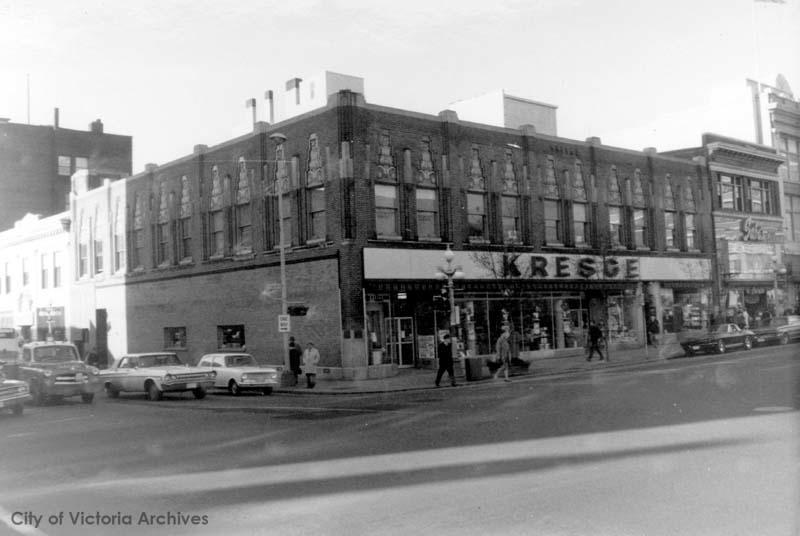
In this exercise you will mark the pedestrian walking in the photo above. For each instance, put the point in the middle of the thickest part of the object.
(295, 354)
(310, 360)
(653, 331)
(445, 351)
(595, 336)
(503, 350)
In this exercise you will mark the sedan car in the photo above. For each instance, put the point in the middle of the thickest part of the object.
(239, 372)
(717, 339)
(780, 330)
(13, 393)
(156, 373)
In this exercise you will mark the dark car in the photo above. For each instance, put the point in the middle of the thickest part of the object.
(779, 330)
(717, 339)
(54, 369)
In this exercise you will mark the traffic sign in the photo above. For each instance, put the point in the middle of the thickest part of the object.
(284, 324)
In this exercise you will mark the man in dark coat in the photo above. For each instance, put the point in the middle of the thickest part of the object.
(295, 353)
(445, 361)
(595, 335)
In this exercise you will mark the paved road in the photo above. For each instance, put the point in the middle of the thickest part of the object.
(688, 446)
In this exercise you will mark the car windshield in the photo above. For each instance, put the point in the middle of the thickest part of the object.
(242, 360)
(158, 360)
(55, 354)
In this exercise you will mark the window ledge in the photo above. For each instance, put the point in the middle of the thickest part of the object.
(555, 244)
(186, 261)
(673, 250)
(642, 248)
(694, 250)
(216, 257)
(389, 237)
(430, 239)
(164, 265)
(477, 240)
(315, 242)
(243, 256)
(583, 246)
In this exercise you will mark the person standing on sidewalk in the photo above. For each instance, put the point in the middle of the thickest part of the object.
(653, 331)
(295, 353)
(503, 350)
(595, 336)
(445, 351)
(310, 360)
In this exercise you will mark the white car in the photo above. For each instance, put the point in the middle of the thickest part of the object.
(156, 373)
(239, 372)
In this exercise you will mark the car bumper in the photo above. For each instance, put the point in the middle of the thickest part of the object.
(246, 385)
(183, 386)
(71, 389)
(11, 401)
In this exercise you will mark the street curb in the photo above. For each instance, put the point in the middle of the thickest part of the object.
(483, 381)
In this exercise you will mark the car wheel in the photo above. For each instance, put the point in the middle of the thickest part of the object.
(784, 338)
(199, 393)
(688, 352)
(748, 343)
(721, 347)
(267, 391)
(233, 387)
(87, 397)
(111, 391)
(17, 410)
(153, 392)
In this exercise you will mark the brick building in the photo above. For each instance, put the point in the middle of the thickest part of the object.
(550, 232)
(36, 162)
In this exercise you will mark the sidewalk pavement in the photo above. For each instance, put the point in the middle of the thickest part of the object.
(418, 379)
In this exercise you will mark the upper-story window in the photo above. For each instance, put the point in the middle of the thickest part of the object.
(316, 213)
(26, 276)
(760, 197)
(791, 149)
(427, 213)
(691, 231)
(216, 216)
(793, 209)
(64, 165)
(45, 264)
(581, 223)
(509, 201)
(243, 215)
(58, 264)
(119, 237)
(99, 233)
(138, 232)
(553, 218)
(162, 227)
(745, 194)
(7, 278)
(476, 215)
(83, 248)
(185, 221)
(386, 209)
(672, 238)
(81, 163)
(640, 230)
(616, 230)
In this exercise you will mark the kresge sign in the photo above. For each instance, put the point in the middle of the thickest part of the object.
(386, 263)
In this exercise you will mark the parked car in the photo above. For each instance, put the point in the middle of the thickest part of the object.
(239, 372)
(13, 393)
(780, 330)
(54, 369)
(154, 374)
(717, 339)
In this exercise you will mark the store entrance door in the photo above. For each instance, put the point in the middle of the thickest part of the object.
(400, 340)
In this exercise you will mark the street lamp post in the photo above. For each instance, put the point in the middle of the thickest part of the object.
(279, 140)
(449, 273)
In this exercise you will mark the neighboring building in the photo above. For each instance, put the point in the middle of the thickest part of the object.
(35, 277)
(748, 226)
(499, 109)
(36, 162)
(551, 233)
(776, 114)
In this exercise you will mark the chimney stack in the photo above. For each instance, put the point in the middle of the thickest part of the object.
(96, 127)
(294, 84)
(55, 118)
(271, 104)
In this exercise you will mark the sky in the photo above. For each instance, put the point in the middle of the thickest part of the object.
(173, 74)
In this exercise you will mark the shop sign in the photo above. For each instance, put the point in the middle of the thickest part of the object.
(752, 230)
(384, 263)
(52, 314)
